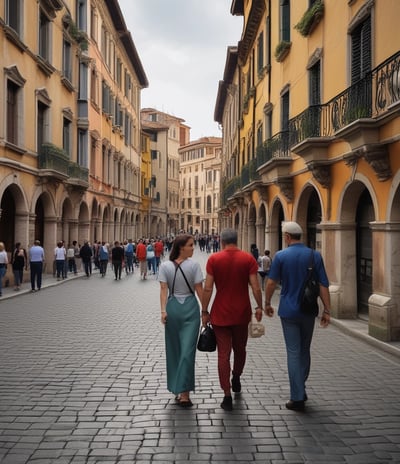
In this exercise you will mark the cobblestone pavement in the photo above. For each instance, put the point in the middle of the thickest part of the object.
(82, 380)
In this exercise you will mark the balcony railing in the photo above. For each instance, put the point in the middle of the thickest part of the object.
(76, 171)
(53, 158)
(368, 98)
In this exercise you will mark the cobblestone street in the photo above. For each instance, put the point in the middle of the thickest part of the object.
(82, 380)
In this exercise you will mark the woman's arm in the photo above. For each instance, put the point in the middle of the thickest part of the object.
(163, 301)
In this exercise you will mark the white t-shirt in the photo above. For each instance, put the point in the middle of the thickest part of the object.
(59, 253)
(192, 272)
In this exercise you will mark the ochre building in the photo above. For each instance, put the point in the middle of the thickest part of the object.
(71, 81)
(309, 104)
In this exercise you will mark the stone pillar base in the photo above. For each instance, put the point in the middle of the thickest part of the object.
(384, 318)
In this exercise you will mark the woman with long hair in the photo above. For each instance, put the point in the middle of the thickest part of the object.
(180, 280)
(19, 263)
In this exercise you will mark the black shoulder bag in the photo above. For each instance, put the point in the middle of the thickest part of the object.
(310, 291)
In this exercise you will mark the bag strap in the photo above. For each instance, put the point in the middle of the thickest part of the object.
(178, 266)
(310, 267)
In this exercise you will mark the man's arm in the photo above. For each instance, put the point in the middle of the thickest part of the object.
(269, 291)
(255, 287)
(207, 292)
(326, 300)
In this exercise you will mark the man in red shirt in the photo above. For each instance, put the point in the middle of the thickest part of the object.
(232, 271)
(159, 251)
(141, 254)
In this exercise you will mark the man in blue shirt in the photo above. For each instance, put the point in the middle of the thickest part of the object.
(290, 268)
(36, 259)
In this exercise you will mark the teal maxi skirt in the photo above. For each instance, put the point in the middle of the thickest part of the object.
(181, 334)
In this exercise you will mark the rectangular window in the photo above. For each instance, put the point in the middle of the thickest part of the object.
(41, 129)
(13, 15)
(285, 112)
(83, 81)
(12, 112)
(83, 148)
(259, 135)
(93, 23)
(44, 36)
(285, 20)
(67, 136)
(361, 51)
(67, 60)
(260, 53)
(119, 72)
(94, 96)
(93, 151)
(315, 84)
(81, 15)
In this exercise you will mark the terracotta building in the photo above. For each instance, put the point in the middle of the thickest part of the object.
(309, 105)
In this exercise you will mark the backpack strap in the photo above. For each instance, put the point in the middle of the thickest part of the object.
(178, 266)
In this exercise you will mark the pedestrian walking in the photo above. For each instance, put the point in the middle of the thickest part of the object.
(36, 260)
(129, 252)
(180, 280)
(59, 256)
(117, 258)
(86, 254)
(151, 257)
(264, 263)
(19, 262)
(231, 270)
(71, 258)
(104, 256)
(3, 265)
(141, 255)
(159, 252)
(290, 268)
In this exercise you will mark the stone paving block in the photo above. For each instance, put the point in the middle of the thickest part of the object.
(95, 380)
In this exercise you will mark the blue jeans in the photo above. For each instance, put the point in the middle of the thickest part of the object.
(298, 334)
(2, 274)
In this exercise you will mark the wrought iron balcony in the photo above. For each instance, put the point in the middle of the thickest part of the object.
(230, 189)
(53, 162)
(275, 147)
(368, 98)
(78, 174)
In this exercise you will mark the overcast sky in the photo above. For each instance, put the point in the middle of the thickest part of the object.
(182, 45)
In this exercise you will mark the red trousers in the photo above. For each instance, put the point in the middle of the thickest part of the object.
(230, 338)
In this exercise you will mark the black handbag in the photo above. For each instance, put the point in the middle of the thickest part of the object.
(310, 291)
(207, 340)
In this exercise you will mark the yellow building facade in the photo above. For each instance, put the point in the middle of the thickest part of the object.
(69, 124)
(317, 140)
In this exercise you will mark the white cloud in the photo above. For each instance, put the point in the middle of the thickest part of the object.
(182, 46)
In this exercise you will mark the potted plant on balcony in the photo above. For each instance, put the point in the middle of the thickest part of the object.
(310, 18)
(281, 50)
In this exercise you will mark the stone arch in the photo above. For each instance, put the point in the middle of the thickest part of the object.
(277, 216)
(348, 254)
(83, 223)
(309, 215)
(14, 215)
(67, 220)
(261, 226)
(250, 231)
(350, 196)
